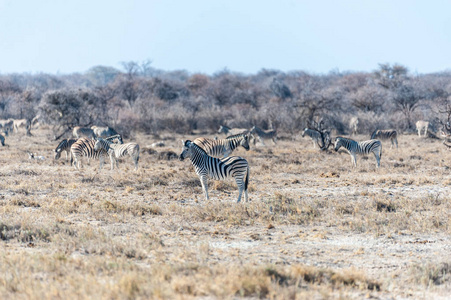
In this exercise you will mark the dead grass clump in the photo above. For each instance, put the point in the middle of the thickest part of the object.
(167, 155)
(24, 233)
(192, 182)
(329, 175)
(431, 273)
(24, 202)
(385, 206)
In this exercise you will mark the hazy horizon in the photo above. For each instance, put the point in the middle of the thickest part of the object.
(202, 36)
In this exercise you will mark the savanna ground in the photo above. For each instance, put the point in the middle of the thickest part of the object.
(314, 228)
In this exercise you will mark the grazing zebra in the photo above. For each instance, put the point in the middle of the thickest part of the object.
(354, 125)
(264, 134)
(217, 168)
(223, 147)
(116, 151)
(64, 145)
(85, 147)
(389, 134)
(80, 132)
(365, 147)
(422, 125)
(103, 131)
(231, 131)
(313, 134)
(2, 140)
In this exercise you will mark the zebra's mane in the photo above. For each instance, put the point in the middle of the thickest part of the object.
(235, 136)
(189, 143)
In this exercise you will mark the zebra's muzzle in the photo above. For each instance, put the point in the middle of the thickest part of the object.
(181, 158)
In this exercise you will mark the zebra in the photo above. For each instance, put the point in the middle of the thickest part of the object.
(217, 168)
(365, 147)
(389, 134)
(354, 125)
(264, 134)
(315, 135)
(80, 132)
(116, 151)
(2, 140)
(64, 145)
(103, 131)
(422, 125)
(85, 147)
(231, 131)
(223, 147)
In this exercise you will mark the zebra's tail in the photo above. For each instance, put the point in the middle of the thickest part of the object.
(246, 180)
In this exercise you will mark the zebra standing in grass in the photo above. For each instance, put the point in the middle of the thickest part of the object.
(231, 131)
(65, 146)
(365, 147)
(80, 132)
(217, 168)
(422, 125)
(389, 134)
(315, 135)
(116, 151)
(223, 147)
(103, 131)
(264, 134)
(85, 147)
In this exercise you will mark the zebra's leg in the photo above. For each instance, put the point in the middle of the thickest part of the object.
(112, 160)
(314, 143)
(378, 159)
(274, 140)
(204, 183)
(392, 144)
(396, 142)
(354, 160)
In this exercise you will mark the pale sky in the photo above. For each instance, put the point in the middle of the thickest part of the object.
(206, 36)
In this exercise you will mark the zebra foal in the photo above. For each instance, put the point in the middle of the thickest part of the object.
(389, 134)
(218, 169)
(364, 148)
(223, 147)
(85, 147)
(116, 151)
(313, 134)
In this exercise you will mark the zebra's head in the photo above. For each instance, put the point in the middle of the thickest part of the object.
(373, 135)
(245, 142)
(253, 129)
(303, 132)
(338, 143)
(57, 154)
(186, 150)
(99, 144)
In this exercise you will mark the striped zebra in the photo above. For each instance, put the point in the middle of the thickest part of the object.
(422, 125)
(64, 145)
(263, 134)
(85, 147)
(388, 134)
(103, 131)
(231, 131)
(2, 140)
(313, 134)
(217, 168)
(80, 132)
(364, 148)
(223, 147)
(116, 151)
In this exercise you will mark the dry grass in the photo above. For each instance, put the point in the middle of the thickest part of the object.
(314, 228)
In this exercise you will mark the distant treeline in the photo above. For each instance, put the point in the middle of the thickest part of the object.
(141, 98)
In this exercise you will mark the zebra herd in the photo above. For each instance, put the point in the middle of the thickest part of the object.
(93, 143)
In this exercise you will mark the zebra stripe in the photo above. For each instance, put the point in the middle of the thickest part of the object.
(217, 168)
(85, 147)
(103, 131)
(64, 145)
(313, 134)
(264, 134)
(223, 147)
(365, 147)
(80, 132)
(116, 151)
(389, 134)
